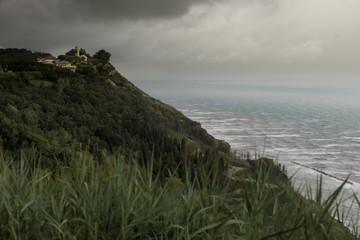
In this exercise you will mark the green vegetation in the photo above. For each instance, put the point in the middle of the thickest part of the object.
(122, 200)
(72, 52)
(87, 155)
(55, 110)
(70, 56)
(103, 55)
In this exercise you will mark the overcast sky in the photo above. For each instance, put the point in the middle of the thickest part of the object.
(194, 39)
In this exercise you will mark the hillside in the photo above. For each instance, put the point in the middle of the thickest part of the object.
(55, 111)
(85, 154)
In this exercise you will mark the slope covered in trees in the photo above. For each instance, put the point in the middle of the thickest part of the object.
(57, 111)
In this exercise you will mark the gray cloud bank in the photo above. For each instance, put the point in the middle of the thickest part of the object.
(97, 10)
(190, 39)
(54, 24)
(127, 9)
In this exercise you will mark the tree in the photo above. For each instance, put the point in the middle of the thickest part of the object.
(82, 51)
(62, 83)
(102, 55)
(71, 52)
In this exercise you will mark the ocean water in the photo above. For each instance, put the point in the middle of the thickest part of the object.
(315, 125)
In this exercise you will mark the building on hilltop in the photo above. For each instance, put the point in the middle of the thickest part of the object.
(49, 60)
(66, 65)
(84, 58)
(57, 62)
(77, 54)
(77, 51)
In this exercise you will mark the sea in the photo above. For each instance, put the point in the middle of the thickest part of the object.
(311, 128)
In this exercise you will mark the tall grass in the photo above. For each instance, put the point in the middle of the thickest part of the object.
(117, 200)
(121, 200)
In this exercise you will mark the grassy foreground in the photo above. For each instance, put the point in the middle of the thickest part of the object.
(121, 200)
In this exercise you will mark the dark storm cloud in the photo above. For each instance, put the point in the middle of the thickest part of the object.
(127, 9)
(95, 10)
(19, 17)
(38, 24)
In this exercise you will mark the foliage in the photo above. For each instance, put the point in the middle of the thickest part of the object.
(69, 58)
(58, 109)
(62, 83)
(274, 210)
(9, 55)
(82, 51)
(119, 199)
(102, 55)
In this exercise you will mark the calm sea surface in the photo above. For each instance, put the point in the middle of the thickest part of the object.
(316, 125)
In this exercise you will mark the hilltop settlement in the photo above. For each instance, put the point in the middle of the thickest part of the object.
(64, 64)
